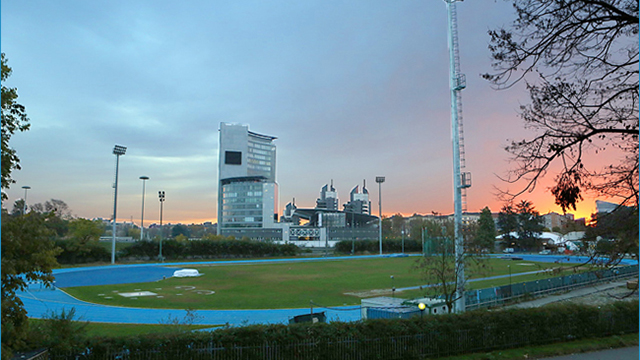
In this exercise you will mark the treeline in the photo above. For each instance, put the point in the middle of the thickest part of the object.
(431, 336)
(206, 249)
(373, 246)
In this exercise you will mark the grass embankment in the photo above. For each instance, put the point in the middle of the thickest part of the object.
(290, 285)
(557, 349)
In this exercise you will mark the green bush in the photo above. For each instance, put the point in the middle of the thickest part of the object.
(430, 336)
(373, 246)
(74, 254)
(206, 249)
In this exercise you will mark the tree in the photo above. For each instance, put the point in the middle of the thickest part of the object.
(579, 59)
(508, 223)
(614, 234)
(439, 267)
(486, 232)
(14, 118)
(530, 225)
(27, 253)
(523, 220)
(180, 229)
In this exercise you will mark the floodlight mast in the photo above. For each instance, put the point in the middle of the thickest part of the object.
(380, 180)
(24, 207)
(457, 82)
(144, 179)
(117, 151)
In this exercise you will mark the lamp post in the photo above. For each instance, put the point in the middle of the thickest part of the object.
(393, 288)
(380, 180)
(161, 198)
(117, 151)
(510, 289)
(422, 306)
(24, 208)
(144, 180)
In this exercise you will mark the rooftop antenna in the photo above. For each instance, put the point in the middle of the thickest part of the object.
(461, 181)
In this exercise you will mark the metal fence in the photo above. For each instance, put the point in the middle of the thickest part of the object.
(498, 295)
(418, 346)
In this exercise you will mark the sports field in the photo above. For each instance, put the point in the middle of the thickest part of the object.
(288, 285)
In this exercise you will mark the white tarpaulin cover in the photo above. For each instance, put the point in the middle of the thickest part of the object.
(186, 273)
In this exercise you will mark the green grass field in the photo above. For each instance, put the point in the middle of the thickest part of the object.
(291, 285)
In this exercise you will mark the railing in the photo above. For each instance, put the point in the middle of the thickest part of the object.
(509, 293)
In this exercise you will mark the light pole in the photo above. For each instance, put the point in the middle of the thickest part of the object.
(393, 288)
(117, 151)
(510, 289)
(421, 306)
(380, 180)
(161, 198)
(24, 208)
(144, 180)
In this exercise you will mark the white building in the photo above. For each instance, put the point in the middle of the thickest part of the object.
(247, 188)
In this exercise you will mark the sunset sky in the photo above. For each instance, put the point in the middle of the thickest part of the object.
(351, 89)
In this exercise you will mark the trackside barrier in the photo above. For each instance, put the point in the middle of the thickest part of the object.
(438, 343)
(507, 293)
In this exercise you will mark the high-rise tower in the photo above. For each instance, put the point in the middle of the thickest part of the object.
(247, 189)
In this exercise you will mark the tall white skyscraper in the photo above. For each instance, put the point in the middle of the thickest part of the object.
(247, 189)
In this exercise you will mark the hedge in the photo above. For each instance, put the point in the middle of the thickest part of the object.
(373, 246)
(72, 254)
(205, 249)
(432, 336)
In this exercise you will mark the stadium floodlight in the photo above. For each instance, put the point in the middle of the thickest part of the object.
(144, 179)
(380, 180)
(161, 198)
(117, 151)
(24, 208)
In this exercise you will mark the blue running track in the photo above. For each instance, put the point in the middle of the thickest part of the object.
(41, 302)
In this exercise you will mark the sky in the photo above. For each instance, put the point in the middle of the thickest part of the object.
(351, 89)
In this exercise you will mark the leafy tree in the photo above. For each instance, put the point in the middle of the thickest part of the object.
(523, 220)
(62, 333)
(614, 234)
(508, 223)
(14, 119)
(486, 232)
(579, 59)
(530, 225)
(27, 253)
(134, 232)
(179, 230)
(439, 267)
(18, 207)
(397, 225)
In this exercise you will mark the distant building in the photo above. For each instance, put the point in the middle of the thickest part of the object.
(328, 199)
(358, 201)
(247, 189)
(555, 220)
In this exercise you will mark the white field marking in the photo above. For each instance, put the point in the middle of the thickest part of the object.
(138, 293)
(159, 296)
(100, 294)
(204, 292)
(525, 264)
(115, 291)
(178, 294)
(108, 297)
(188, 288)
(158, 288)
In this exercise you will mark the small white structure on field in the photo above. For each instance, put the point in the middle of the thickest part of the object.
(186, 273)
